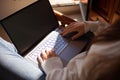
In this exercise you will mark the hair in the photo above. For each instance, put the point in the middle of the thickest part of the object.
(112, 33)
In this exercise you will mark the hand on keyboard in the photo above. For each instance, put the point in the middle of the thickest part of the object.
(45, 55)
(74, 30)
(53, 40)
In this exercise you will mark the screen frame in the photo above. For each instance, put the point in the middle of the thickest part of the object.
(32, 46)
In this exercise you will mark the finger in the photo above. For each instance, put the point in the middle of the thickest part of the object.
(48, 52)
(67, 32)
(66, 29)
(44, 55)
(71, 24)
(76, 36)
(40, 59)
(53, 53)
(69, 27)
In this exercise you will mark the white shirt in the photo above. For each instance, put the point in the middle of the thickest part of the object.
(101, 59)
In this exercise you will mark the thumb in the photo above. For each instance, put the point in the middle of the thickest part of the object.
(39, 59)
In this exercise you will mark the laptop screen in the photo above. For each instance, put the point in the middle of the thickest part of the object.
(30, 25)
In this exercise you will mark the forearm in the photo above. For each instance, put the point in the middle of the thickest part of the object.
(54, 69)
(52, 63)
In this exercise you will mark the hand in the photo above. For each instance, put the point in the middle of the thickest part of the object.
(74, 27)
(46, 55)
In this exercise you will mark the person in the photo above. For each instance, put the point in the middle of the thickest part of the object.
(100, 62)
(83, 66)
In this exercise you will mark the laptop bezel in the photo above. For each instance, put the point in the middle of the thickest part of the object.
(30, 48)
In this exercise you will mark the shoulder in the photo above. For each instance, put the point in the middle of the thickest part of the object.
(102, 59)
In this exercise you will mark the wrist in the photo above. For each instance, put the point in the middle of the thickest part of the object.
(52, 63)
(91, 26)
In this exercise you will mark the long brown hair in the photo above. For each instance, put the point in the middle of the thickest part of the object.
(112, 33)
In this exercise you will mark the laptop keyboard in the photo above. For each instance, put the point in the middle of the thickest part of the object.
(53, 40)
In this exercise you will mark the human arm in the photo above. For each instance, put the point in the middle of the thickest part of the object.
(54, 69)
(83, 27)
(100, 62)
(95, 26)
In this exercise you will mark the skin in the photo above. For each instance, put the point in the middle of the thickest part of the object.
(46, 55)
(74, 26)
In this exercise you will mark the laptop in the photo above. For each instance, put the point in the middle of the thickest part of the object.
(34, 26)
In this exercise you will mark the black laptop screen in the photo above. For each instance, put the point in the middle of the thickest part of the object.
(30, 25)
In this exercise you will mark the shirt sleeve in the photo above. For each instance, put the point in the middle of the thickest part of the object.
(54, 69)
(95, 26)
